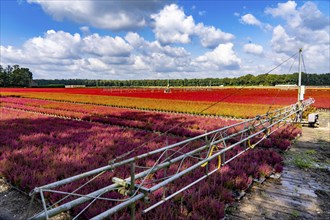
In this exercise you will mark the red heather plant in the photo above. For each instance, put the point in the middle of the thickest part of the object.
(282, 144)
(278, 168)
(265, 170)
(208, 209)
(267, 143)
(241, 182)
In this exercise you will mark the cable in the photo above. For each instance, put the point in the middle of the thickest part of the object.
(278, 91)
(292, 64)
(303, 63)
(305, 71)
(281, 63)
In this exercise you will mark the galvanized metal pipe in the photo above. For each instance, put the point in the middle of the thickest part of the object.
(79, 201)
(182, 173)
(119, 207)
(112, 166)
(90, 196)
(178, 192)
(156, 187)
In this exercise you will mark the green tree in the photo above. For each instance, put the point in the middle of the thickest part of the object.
(14, 76)
(3, 77)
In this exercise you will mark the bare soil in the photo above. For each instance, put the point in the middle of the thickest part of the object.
(303, 191)
(14, 204)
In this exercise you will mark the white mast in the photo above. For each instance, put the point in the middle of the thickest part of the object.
(301, 89)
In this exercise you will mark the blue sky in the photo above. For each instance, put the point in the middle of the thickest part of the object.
(161, 39)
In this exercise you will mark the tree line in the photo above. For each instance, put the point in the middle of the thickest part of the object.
(247, 80)
(15, 76)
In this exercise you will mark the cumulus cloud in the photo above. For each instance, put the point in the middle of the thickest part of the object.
(282, 42)
(254, 49)
(52, 48)
(211, 37)
(105, 46)
(250, 19)
(113, 15)
(146, 47)
(308, 16)
(172, 25)
(312, 18)
(60, 54)
(71, 53)
(159, 58)
(306, 27)
(287, 11)
(222, 57)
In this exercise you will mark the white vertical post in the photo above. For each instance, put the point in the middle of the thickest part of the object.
(299, 80)
(300, 92)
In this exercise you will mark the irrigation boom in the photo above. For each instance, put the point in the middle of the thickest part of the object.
(136, 178)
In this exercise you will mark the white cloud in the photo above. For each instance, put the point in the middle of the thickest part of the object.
(113, 15)
(283, 43)
(105, 46)
(308, 16)
(158, 58)
(54, 44)
(211, 37)
(222, 57)
(287, 11)
(139, 63)
(64, 55)
(254, 49)
(312, 18)
(55, 47)
(306, 27)
(250, 19)
(172, 25)
(95, 64)
(146, 47)
(60, 54)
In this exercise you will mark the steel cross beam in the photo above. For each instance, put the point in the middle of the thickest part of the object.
(170, 164)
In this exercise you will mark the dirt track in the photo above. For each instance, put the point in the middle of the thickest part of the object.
(303, 191)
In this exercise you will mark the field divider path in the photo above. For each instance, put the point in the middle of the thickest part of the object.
(303, 190)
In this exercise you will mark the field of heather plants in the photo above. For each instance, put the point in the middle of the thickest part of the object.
(48, 135)
(246, 95)
(231, 102)
(39, 149)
